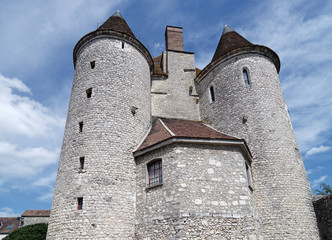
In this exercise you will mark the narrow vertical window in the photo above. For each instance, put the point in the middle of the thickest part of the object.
(81, 126)
(190, 90)
(123, 45)
(79, 203)
(82, 163)
(246, 77)
(155, 173)
(249, 176)
(212, 94)
(89, 93)
(92, 64)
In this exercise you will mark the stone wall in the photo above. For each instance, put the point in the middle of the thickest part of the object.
(323, 209)
(171, 97)
(204, 195)
(115, 119)
(34, 220)
(257, 113)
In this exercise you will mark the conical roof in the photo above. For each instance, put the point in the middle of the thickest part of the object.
(229, 41)
(117, 23)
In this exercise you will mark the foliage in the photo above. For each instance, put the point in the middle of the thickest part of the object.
(325, 189)
(31, 232)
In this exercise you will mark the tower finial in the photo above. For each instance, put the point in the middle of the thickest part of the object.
(117, 14)
(227, 29)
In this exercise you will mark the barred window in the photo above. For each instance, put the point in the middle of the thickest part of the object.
(155, 173)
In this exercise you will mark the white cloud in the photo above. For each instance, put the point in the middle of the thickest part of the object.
(24, 163)
(319, 149)
(319, 180)
(8, 212)
(46, 197)
(22, 116)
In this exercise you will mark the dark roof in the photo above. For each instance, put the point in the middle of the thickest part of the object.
(117, 23)
(166, 128)
(229, 41)
(8, 224)
(36, 213)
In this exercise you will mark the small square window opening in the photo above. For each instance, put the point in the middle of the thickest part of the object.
(92, 64)
(79, 203)
(82, 163)
(81, 126)
(89, 93)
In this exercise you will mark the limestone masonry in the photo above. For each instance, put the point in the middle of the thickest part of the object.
(155, 148)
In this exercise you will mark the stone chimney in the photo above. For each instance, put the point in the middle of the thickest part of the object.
(174, 38)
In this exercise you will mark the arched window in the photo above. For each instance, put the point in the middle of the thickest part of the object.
(246, 77)
(212, 94)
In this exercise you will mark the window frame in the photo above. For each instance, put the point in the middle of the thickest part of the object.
(157, 179)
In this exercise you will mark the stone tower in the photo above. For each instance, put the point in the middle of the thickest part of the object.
(240, 95)
(109, 114)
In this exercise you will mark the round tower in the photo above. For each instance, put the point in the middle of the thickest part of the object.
(109, 113)
(240, 95)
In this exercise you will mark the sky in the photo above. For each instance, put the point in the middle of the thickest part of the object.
(37, 39)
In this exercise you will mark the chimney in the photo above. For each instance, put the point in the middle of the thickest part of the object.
(174, 38)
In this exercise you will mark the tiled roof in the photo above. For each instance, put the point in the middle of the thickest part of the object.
(157, 65)
(229, 40)
(36, 213)
(166, 128)
(8, 224)
(118, 24)
(198, 71)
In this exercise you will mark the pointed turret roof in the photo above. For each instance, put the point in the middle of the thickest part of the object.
(117, 23)
(229, 41)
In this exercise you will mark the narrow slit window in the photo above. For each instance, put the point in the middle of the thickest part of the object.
(246, 77)
(89, 93)
(82, 163)
(190, 90)
(249, 176)
(81, 126)
(155, 173)
(122, 43)
(92, 64)
(212, 94)
(79, 203)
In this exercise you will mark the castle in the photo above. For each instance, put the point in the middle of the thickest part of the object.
(155, 148)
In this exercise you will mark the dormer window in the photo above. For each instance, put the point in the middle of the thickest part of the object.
(246, 77)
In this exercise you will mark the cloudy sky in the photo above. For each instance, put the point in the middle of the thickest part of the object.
(37, 39)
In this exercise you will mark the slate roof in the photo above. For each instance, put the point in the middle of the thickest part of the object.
(166, 128)
(229, 40)
(36, 213)
(117, 23)
(8, 224)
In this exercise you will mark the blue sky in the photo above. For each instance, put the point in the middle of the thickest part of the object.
(36, 71)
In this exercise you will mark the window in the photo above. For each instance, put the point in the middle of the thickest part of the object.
(249, 176)
(89, 93)
(79, 203)
(212, 94)
(81, 126)
(155, 173)
(246, 77)
(122, 45)
(190, 90)
(81, 163)
(92, 64)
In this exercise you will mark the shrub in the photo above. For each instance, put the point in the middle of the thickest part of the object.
(31, 232)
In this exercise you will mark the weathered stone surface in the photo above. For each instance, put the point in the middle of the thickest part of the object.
(323, 210)
(282, 189)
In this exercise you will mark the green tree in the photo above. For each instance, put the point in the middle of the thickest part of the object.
(31, 232)
(325, 189)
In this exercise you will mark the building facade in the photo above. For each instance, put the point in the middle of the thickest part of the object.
(155, 148)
